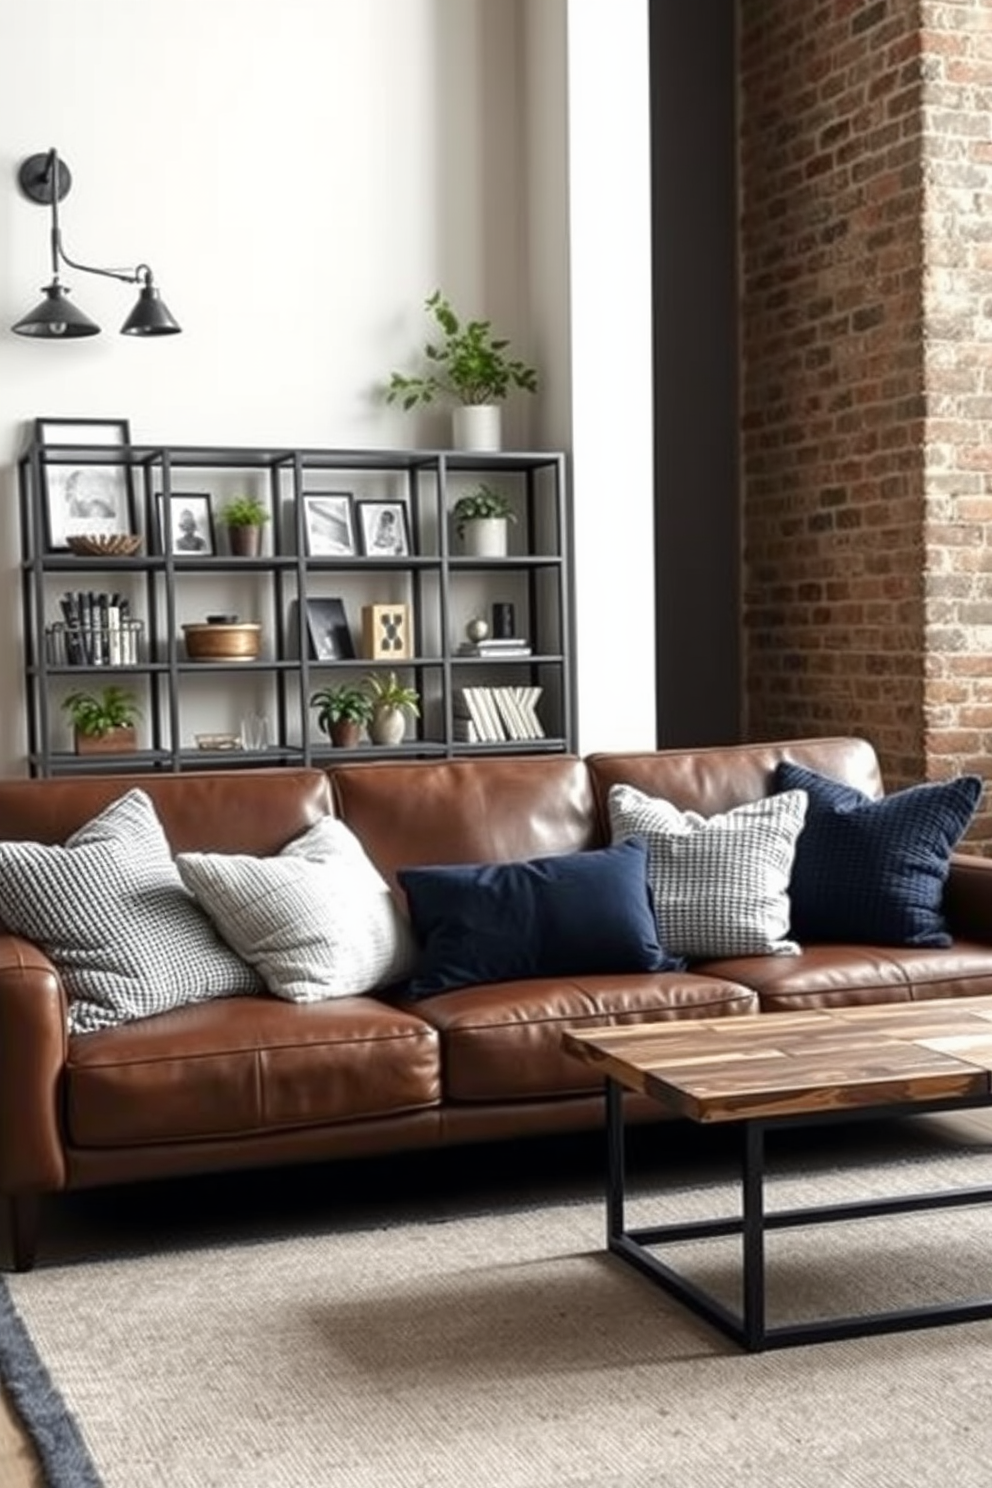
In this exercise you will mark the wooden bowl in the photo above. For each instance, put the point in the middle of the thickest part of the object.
(96, 545)
(213, 642)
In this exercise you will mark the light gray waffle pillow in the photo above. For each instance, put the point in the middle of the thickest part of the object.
(720, 883)
(110, 910)
(317, 920)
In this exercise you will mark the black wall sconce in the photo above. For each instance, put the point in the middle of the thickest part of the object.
(46, 179)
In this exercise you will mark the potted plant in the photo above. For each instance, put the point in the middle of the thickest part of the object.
(342, 712)
(391, 700)
(104, 722)
(481, 518)
(244, 517)
(472, 368)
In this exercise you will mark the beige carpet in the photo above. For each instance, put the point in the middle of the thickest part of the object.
(505, 1349)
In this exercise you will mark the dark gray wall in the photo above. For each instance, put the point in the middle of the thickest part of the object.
(693, 141)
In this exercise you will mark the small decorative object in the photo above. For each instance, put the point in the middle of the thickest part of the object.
(329, 524)
(472, 369)
(477, 629)
(392, 700)
(223, 641)
(254, 732)
(219, 742)
(481, 518)
(330, 636)
(104, 722)
(110, 545)
(186, 524)
(504, 621)
(244, 517)
(342, 713)
(386, 632)
(384, 528)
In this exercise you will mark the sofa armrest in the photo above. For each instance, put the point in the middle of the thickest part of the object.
(33, 1046)
(968, 897)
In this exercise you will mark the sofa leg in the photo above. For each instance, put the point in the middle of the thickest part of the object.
(23, 1217)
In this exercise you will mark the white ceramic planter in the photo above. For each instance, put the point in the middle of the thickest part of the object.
(388, 726)
(477, 426)
(485, 537)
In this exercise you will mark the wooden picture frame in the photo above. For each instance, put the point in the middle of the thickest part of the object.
(384, 528)
(186, 524)
(329, 524)
(330, 634)
(81, 496)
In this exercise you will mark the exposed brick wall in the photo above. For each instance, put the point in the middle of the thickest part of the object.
(866, 245)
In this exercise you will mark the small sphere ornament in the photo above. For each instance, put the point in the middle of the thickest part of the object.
(477, 629)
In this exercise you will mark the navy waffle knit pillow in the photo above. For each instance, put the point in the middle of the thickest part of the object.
(575, 914)
(873, 871)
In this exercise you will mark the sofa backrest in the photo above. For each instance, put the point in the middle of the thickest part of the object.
(235, 811)
(490, 809)
(717, 779)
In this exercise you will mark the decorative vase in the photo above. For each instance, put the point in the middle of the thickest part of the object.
(345, 733)
(477, 426)
(388, 726)
(485, 537)
(245, 541)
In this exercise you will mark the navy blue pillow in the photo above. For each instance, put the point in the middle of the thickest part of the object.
(873, 871)
(575, 914)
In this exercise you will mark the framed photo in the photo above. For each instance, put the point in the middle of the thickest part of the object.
(81, 496)
(330, 637)
(329, 524)
(384, 528)
(186, 524)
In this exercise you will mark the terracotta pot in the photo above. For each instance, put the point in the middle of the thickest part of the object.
(118, 741)
(245, 542)
(345, 734)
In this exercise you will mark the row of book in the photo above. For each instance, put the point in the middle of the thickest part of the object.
(97, 630)
(492, 715)
(496, 648)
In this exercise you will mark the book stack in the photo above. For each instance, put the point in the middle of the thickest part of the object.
(496, 648)
(493, 715)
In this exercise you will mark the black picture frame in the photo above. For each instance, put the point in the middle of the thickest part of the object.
(84, 496)
(330, 634)
(384, 528)
(329, 524)
(186, 524)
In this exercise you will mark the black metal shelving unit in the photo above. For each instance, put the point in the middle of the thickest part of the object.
(432, 580)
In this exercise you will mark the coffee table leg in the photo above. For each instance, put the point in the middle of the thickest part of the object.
(753, 1234)
(615, 1177)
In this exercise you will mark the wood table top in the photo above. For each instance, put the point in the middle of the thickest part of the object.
(785, 1064)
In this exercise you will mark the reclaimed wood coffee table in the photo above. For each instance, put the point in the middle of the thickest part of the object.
(781, 1069)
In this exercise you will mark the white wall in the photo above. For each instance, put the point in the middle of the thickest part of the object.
(299, 176)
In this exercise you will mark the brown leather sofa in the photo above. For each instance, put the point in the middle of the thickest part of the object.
(256, 1081)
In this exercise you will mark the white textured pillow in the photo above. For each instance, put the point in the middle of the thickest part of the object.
(317, 921)
(109, 909)
(720, 883)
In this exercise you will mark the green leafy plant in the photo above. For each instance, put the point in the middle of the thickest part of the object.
(345, 703)
(390, 692)
(244, 511)
(481, 502)
(469, 365)
(97, 714)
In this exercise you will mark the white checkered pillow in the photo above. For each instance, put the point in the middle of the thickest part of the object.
(109, 909)
(720, 883)
(317, 921)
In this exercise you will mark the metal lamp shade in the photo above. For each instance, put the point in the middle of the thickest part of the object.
(150, 316)
(56, 318)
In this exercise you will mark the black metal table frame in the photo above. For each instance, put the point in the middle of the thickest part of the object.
(749, 1327)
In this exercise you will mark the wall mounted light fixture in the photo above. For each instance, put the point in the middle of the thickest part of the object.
(46, 179)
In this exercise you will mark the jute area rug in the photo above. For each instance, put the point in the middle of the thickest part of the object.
(461, 1327)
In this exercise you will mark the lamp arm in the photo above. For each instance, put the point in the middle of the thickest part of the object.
(141, 275)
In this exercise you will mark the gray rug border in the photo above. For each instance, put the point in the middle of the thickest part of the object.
(45, 1416)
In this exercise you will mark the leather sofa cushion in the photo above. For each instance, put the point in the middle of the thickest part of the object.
(255, 1065)
(503, 1041)
(846, 976)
